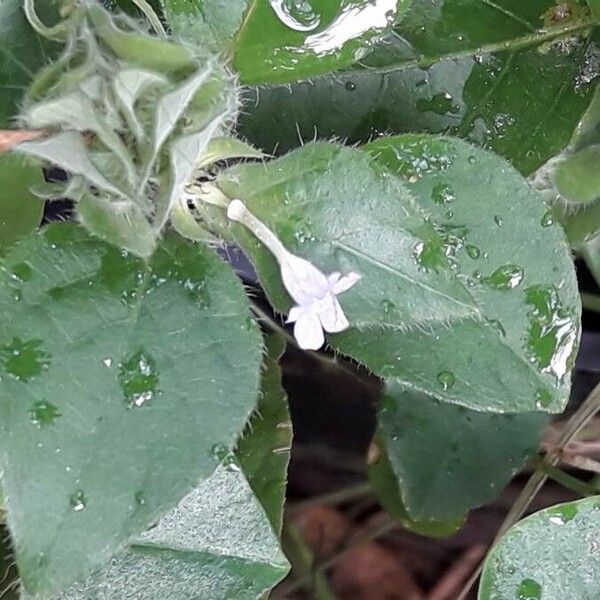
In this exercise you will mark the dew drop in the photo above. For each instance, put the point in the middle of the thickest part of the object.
(21, 272)
(446, 379)
(350, 86)
(43, 413)
(543, 398)
(472, 159)
(78, 501)
(498, 220)
(140, 498)
(547, 219)
(224, 456)
(497, 325)
(559, 515)
(440, 104)
(24, 360)
(298, 15)
(473, 251)
(529, 589)
(387, 306)
(442, 193)
(506, 277)
(138, 379)
(107, 362)
(553, 331)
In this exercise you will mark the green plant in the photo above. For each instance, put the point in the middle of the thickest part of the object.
(144, 432)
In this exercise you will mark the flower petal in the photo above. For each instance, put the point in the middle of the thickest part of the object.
(332, 316)
(295, 313)
(303, 281)
(345, 283)
(308, 331)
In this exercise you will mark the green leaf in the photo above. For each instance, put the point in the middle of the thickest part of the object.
(446, 459)
(595, 8)
(385, 485)
(441, 72)
(264, 450)
(551, 554)
(22, 53)
(208, 24)
(590, 252)
(502, 340)
(122, 385)
(283, 40)
(126, 227)
(217, 543)
(501, 242)
(577, 177)
(20, 210)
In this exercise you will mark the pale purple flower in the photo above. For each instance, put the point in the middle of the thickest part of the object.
(317, 308)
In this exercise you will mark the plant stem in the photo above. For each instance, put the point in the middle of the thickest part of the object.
(567, 481)
(152, 17)
(56, 33)
(338, 497)
(321, 568)
(531, 39)
(576, 423)
(302, 562)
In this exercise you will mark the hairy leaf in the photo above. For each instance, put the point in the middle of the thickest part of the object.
(551, 554)
(217, 543)
(131, 114)
(503, 340)
(447, 459)
(264, 449)
(22, 53)
(20, 210)
(122, 384)
(520, 354)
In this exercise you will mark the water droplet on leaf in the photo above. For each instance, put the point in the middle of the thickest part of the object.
(24, 360)
(552, 333)
(446, 379)
(543, 398)
(547, 219)
(473, 251)
(21, 272)
(138, 378)
(78, 501)
(529, 589)
(506, 277)
(43, 413)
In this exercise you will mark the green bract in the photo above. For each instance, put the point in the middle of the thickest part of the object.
(130, 116)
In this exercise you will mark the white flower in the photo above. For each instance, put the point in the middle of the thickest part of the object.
(314, 293)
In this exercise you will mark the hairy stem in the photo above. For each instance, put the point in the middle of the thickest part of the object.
(152, 17)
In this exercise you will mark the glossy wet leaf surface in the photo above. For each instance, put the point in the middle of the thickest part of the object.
(522, 282)
(264, 449)
(22, 53)
(120, 384)
(513, 76)
(20, 210)
(415, 316)
(448, 459)
(217, 543)
(551, 554)
(285, 40)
